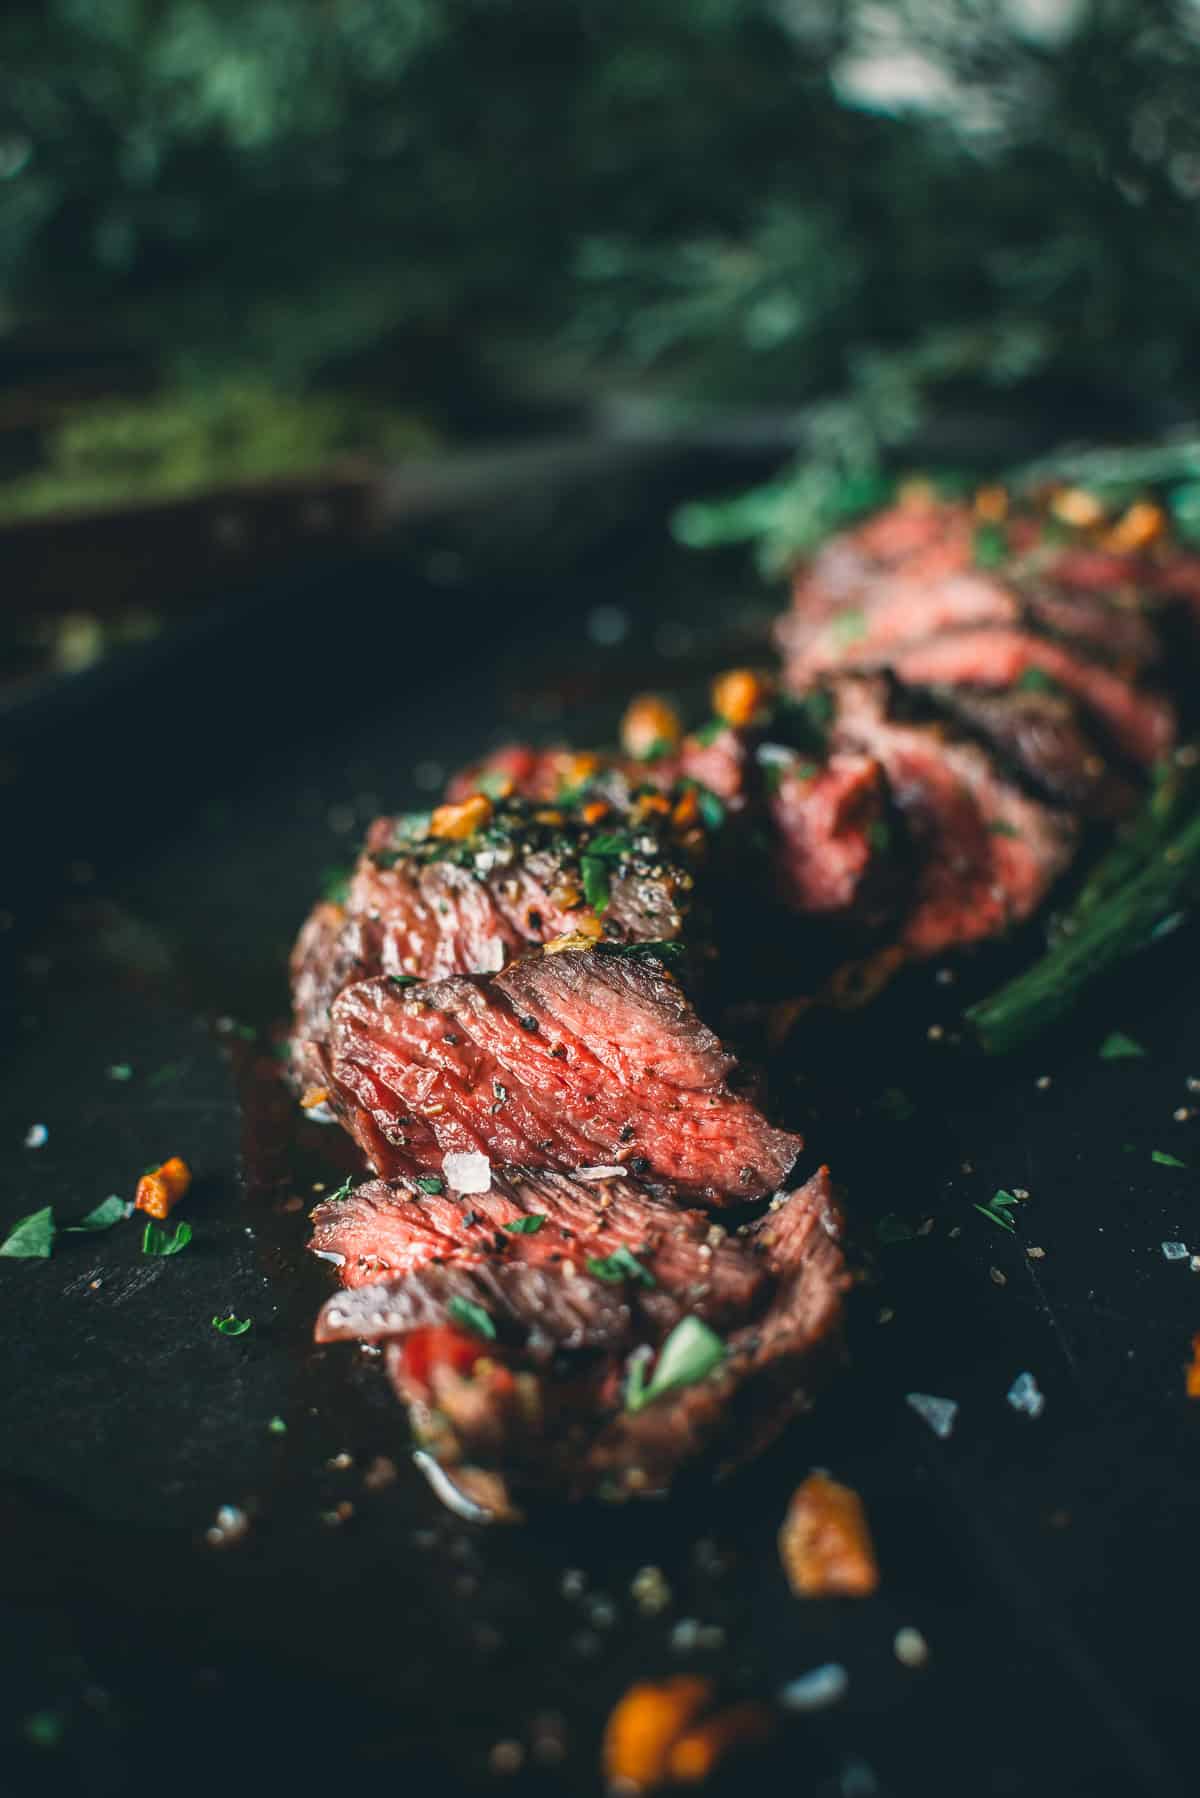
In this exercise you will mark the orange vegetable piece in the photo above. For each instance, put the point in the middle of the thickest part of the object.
(1136, 528)
(158, 1193)
(594, 810)
(1192, 1375)
(696, 1754)
(463, 819)
(738, 695)
(687, 809)
(1077, 507)
(646, 1724)
(825, 1543)
(650, 723)
(313, 1096)
(991, 505)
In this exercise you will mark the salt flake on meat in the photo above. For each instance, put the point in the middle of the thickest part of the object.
(467, 1173)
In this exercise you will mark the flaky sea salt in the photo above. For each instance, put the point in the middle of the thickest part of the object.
(1025, 1395)
(1175, 1251)
(817, 1690)
(467, 1173)
(37, 1136)
(938, 1413)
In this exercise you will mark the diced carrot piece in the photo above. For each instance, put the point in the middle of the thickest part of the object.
(825, 1543)
(463, 819)
(650, 725)
(645, 1725)
(738, 695)
(697, 1753)
(159, 1192)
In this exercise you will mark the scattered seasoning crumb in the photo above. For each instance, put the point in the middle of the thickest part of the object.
(1193, 1083)
(382, 1472)
(956, 1232)
(573, 1583)
(910, 1647)
(1034, 1253)
(945, 976)
(650, 1591)
(1119, 1047)
(1194, 1264)
(230, 1525)
(37, 1136)
(886, 1314)
(1025, 1395)
(339, 1463)
(939, 1413)
(817, 1690)
(1043, 1082)
(996, 1277)
(925, 1228)
(935, 1033)
(277, 1426)
(1175, 1251)
(120, 1070)
(825, 1542)
(1182, 1113)
(506, 1757)
(1020, 1192)
(601, 1612)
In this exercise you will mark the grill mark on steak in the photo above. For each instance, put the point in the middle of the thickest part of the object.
(1043, 737)
(617, 1044)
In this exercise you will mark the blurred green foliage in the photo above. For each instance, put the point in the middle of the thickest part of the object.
(862, 208)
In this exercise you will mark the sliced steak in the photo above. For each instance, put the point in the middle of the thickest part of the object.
(388, 1229)
(564, 1060)
(1042, 734)
(832, 823)
(522, 1369)
(422, 905)
(987, 853)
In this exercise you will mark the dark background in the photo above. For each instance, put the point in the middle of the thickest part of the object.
(369, 374)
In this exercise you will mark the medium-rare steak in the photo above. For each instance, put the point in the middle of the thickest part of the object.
(424, 903)
(534, 1365)
(569, 1059)
(986, 853)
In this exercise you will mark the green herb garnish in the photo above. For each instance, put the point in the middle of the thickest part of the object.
(708, 733)
(712, 808)
(661, 746)
(998, 1208)
(404, 979)
(690, 1352)
(335, 884)
(103, 1216)
(31, 1238)
(849, 626)
(277, 1426)
(990, 546)
(594, 873)
(1165, 1160)
(525, 1226)
(158, 1241)
(1000, 827)
(343, 1191)
(231, 1325)
(1119, 1047)
(878, 834)
(471, 1317)
(120, 1070)
(494, 783)
(1036, 680)
(431, 1183)
(622, 1264)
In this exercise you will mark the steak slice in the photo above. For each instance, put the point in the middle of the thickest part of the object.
(520, 1369)
(564, 1060)
(987, 853)
(1043, 734)
(832, 824)
(388, 1229)
(424, 906)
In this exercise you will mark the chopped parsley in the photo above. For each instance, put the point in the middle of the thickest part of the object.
(1036, 680)
(431, 1183)
(990, 546)
(277, 1426)
(343, 1191)
(1165, 1160)
(31, 1238)
(998, 1209)
(231, 1325)
(661, 746)
(1119, 1047)
(712, 808)
(170, 1071)
(120, 1070)
(708, 733)
(471, 1317)
(495, 784)
(525, 1226)
(1000, 827)
(335, 884)
(878, 834)
(403, 979)
(594, 873)
(103, 1216)
(158, 1241)
(622, 1264)
(690, 1352)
